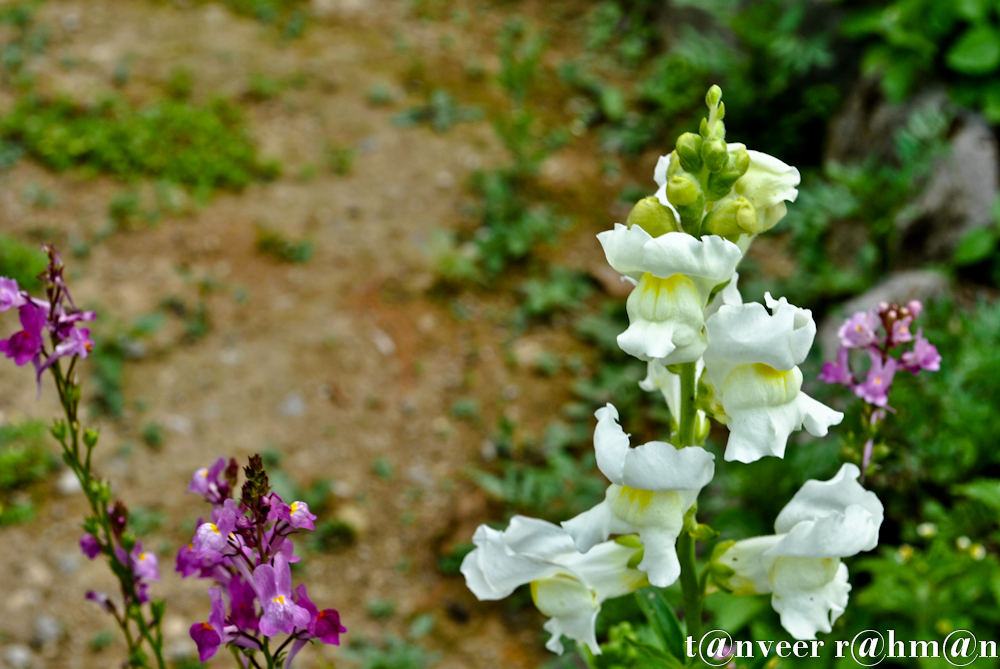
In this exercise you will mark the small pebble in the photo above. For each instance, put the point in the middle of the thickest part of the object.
(47, 630)
(293, 405)
(18, 656)
(68, 484)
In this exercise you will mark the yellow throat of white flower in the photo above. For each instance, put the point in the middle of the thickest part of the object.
(759, 385)
(675, 298)
(562, 596)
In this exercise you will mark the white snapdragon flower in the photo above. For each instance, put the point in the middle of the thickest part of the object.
(652, 488)
(674, 274)
(566, 585)
(752, 363)
(800, 565)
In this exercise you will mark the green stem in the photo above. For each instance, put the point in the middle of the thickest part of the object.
(690, 587)
(688, 417)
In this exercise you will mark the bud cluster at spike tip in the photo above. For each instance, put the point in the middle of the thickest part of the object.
(56, 316)
(246, 550)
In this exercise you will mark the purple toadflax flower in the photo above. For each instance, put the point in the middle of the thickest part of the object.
(214, 537)
(839, 371)
(10, 296)
(875, 389)
(144, 564)
(859, 330)
(26, 346)
(274, 590)
(923, 356)
(209, 636)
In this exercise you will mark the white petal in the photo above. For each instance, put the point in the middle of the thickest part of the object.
(658, 466)
(708, 261)
(665, 320)
(493, 571)
(747, 334)
(594, 526)
(803, 326)
(745, 558)
(836, 535)
(768, 181)
(623, 249)
(580, 628)
(760, 431)
(809, 594)
(659, 560)
(820, 499)
(604, 570)
(661, 169)
(610, 443)
(537, 538)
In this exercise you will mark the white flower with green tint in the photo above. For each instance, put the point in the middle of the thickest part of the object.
(566, 585)
(675, 274)
(652, 488)
(800, 565)
(752, 363)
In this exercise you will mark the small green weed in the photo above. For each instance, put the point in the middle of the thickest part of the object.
(204, 147)
(21, 262)
(440, 112)
(273, 243)
(24, 460)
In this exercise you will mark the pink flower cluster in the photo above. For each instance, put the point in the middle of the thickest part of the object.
(245, 548)
(58, 316)
(885, 333)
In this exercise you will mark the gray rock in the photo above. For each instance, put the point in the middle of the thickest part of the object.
(958, 197)
(18, 656)
(47, 630)
(293, 405)
(900, 288)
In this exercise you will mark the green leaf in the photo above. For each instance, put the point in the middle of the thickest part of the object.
(651, 656)
(661, 616)
(975, 246)
(977, 51)
(986, 491)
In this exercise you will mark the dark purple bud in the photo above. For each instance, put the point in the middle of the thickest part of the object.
(90, 546)
(327, 627)
(101, 600)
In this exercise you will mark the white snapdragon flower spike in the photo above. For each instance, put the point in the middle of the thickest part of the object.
(674, 274)
(566, 585)
(800, 565)
(652, 487)
(752, 363)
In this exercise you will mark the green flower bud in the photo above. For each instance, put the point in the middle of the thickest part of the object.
(721, 573)
(720, 183)
(732, 218)
(684, 192)
(714, 96)
(689, 148)
(90, 438)
(703, 533)
(675, 164)
(703, 128)
(59, 430)
(653, 217)
(714, 153)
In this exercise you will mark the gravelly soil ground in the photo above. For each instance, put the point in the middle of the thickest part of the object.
(333, 363)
